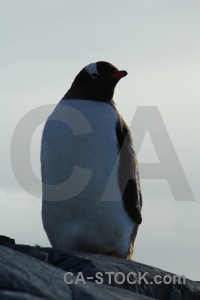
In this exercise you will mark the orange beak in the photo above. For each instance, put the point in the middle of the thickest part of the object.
(119, 74)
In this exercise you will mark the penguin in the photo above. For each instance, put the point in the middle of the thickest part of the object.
(91, 195)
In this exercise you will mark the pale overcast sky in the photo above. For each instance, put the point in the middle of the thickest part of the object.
(44, 44)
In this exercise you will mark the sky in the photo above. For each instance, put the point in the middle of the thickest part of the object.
(44, 44)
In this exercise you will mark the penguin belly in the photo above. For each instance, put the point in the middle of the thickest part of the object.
(91, 221)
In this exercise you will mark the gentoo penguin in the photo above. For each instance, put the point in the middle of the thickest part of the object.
(86, 133)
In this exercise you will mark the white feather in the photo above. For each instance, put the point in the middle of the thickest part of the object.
(85, 222)
(92, 68)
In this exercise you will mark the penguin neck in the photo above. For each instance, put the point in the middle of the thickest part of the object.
(74, 94)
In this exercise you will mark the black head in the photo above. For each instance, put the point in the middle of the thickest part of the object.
(96, 81)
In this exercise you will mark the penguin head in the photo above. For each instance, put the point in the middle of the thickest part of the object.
(96, 81)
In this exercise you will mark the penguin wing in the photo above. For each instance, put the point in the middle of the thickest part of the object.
(128, 173)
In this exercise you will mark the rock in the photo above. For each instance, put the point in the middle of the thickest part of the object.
(26, 278)
(4, 240)
(40, 275)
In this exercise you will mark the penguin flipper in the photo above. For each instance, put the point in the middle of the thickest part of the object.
(128, 173)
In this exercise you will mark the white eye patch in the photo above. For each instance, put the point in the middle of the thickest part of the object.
(92, 70)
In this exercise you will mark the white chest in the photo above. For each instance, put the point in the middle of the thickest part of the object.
(89, 141)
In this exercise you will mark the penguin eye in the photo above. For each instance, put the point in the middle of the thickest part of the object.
(94, 75)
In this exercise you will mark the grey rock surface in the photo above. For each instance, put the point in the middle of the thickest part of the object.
(38, 273)
(23, 277)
